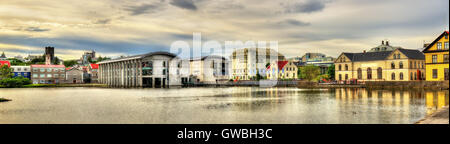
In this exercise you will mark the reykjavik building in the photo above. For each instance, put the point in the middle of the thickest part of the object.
(382, 63)
(155, 69)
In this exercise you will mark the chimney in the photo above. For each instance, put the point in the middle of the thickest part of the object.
(382, 42)
(387, 43)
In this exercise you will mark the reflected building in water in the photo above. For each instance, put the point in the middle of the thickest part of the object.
(400, 102)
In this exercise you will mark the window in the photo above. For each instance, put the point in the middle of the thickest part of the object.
(446, 45)
(380, 73)
(55, 75)
(439, 46)
(369, 73)
(35, 69)
(62, 75)
(359, 73)
(445, 57)
(415, 64)
(393, 65)
(164, 64)
(400, 65)
(401, 76)
(25, 74)
(410, 65)
(415, 76)
(411, 76)
(164, 71)
(42, 69)
(398, 56)
(446, 74)
(346, 67)
(339, 67)
(435, 73)
(49, 75)
(49, 70)
(434, 58)
(346, 76)
(42, 75)
(393, 76)
(19, 69)
(395, 56)
(340, 77)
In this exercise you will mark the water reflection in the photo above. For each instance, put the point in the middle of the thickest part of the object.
(377, 103)
(218, 105)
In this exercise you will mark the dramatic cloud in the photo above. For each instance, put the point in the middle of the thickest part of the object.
(142, 9)
(185, 4)
(307, 6)
(127, 27)
(294, 22)
(36, 29)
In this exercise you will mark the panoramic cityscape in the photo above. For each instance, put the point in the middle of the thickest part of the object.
(124, 63)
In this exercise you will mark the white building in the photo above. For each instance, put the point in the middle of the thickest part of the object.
(248, 62)
(156, 69)
(209, 69)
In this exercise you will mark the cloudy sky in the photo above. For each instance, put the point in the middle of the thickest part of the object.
(128, 27)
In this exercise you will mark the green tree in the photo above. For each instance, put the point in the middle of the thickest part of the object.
(39, 60)
(69, 63)
(16, 62)
(55, 60)
(15, 82)
(330, 72)
(309, 72)
(5, 72)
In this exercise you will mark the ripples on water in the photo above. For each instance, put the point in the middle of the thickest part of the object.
(217, 105)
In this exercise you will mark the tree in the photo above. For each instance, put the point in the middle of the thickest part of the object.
(16, 62)
(55, 60)
(5, 72)
(310, 72)
(15, 82)
(330, 72)
(69, 63)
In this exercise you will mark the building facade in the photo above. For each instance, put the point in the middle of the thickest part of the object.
(436, 58)
(282, 70)
(209, 70)
(48, 74)
(92, 71)
(247, 63)
(155, 69)
(395, 65)
(74, 75)
(24, 71)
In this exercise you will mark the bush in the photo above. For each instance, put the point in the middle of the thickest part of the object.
(15, 82)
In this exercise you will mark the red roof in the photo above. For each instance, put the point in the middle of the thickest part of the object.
(280, 64)
(48, 66)
(5, 62)
(94, 66)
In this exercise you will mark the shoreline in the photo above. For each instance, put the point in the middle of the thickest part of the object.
(443, 85)
(440, 116)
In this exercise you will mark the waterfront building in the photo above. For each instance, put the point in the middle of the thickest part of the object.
(249, 62)
(74, 75)
(92, 72)
(24, 71)
(155, 69)
(209, 69)
(390, 64)
(47, 74)
(436, 58)
(316, 59)
(282, 70)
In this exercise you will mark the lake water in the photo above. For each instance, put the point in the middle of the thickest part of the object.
(231, 105)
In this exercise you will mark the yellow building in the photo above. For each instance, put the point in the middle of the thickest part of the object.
(436, 58)
(282, 70)
(382, 63)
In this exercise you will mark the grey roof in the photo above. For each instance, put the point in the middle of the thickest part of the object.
(382, 55)
(140, 56)
(413, 54)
